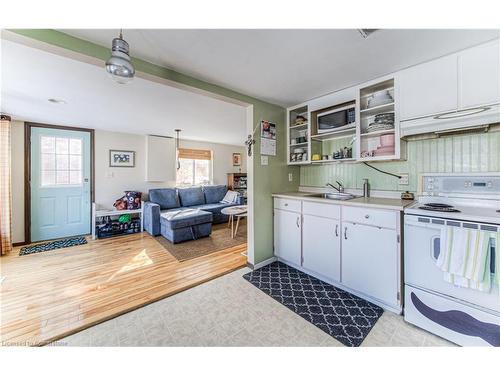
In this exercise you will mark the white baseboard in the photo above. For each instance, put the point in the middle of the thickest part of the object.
(264, 263)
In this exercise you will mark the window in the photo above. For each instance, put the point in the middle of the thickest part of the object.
(60, 161)
(195, 167)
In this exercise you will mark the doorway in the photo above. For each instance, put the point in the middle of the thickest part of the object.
(59, 181)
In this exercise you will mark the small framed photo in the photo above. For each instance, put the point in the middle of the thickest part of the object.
(236, 159)
(121, 158)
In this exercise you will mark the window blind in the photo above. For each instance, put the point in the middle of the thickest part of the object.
(189, 153)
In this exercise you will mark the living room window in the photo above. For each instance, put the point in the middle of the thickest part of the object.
(195, 167)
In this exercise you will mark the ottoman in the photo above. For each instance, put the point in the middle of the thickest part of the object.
(185, 225)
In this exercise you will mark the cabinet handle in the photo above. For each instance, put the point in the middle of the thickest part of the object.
(345, 233)
(286, 204)
(298, 219)
(367, 216)
(336, 230)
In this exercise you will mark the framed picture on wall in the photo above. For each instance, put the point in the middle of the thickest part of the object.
(121, 158)
(236, 159)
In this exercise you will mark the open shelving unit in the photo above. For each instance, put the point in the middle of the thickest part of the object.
(298, 139)
(332, 144)
(378, 143)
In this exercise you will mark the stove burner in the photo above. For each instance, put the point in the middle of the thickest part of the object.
(441, 207)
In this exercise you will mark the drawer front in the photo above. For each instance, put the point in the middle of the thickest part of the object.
(370, 216)
(288, 204)
(321, 209)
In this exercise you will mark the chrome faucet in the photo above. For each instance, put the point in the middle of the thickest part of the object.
(340, 189)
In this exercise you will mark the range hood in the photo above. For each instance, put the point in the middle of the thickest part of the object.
(456, 120)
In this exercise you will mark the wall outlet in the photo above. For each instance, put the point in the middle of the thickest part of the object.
(109, 175)
(264, 160)
(405, 179)
(290, 177)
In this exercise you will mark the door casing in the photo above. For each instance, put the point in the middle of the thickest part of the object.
(27, 170)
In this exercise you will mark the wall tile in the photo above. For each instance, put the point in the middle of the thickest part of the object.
(461, 153)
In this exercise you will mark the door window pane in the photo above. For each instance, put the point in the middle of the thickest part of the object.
(75, 177)
(62, 146)
(48, 178)
(62, 177)
(75, 162)
(48, 162)
(60, 161)
(48, 144)
(75, 146)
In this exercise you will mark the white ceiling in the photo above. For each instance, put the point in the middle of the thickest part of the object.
(31, 76)
(288, 67)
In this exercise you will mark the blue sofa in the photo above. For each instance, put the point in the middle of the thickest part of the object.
(203, 198)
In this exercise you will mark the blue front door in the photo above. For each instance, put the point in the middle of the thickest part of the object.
(60, 183)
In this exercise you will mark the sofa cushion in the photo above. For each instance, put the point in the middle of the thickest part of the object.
(214, 193)
(185, 218)
(192, 196)
(166, 198)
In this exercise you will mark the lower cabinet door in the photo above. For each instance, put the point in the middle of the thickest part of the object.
(370, 261)
(321, 246)
(287, 236)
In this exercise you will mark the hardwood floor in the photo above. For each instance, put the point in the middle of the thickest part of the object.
(49, 295)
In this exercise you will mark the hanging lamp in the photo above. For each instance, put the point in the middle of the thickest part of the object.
(118, 65)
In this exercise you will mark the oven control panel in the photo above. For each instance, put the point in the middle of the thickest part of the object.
(463, 184)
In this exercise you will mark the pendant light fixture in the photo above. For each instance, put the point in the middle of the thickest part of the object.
(118, 65)
(177, 145)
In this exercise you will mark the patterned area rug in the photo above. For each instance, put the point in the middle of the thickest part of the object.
(220, 239)
(342, 315)
(59, 244)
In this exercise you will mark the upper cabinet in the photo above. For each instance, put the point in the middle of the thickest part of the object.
(458, 91)
(464, 80)
(479, 76)
(428, 88)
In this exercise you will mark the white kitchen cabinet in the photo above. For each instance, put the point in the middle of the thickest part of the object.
(370, 261)
(288, 236)
(428, 88)
(321, 246)
(160, 159)
(479, 75)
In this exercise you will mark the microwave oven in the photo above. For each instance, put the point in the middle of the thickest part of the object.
(337, 119)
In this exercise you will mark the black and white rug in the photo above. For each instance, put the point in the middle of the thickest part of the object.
(342, 315)
(59, 244)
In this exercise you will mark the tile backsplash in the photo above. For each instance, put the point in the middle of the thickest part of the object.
(459, 153)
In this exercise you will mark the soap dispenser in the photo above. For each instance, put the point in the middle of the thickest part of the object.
(366, 188)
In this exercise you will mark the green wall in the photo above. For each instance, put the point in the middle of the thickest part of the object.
(460, 153)
(267, 179)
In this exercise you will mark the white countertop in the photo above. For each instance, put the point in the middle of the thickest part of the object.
(373, 202)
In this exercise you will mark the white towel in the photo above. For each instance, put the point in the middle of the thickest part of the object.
(465, 257)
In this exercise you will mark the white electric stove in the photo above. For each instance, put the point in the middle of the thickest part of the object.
(461, 315)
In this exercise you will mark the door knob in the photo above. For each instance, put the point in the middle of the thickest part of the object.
(367, 216)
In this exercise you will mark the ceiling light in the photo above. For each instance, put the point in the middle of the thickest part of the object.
(118, 65)
(57, 101)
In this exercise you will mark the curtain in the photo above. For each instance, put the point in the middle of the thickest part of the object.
(189, 153)
(5, 187)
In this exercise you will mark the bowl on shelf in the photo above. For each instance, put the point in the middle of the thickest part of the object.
(379, 98)
(387, 140)
(298, 150)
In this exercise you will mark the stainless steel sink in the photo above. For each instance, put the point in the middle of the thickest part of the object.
(334, 196)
